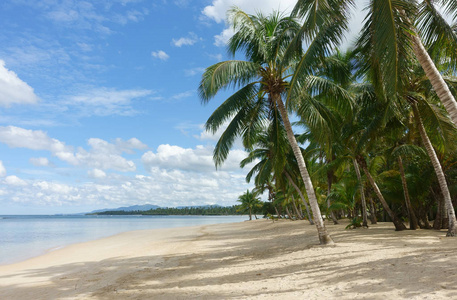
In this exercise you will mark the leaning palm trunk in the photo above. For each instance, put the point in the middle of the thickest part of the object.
(301, 197)
(324, 237)
(398, 224)
(288, 213)
(411, 216)
(297, 212)
(362, 193)
(439, 173)
(437, 81)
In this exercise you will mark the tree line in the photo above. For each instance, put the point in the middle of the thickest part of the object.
(185, 211)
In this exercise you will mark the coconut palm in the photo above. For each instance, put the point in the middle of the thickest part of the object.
(273, 155)
(262, 82)
(249, 202)
(391, 29)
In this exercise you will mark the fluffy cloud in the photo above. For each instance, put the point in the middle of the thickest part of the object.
(199, 159)
(186, 41)
(101, 155)
(2, 170)
(218, 8)
(13, 90)
(221, 40)
(14, 180)
(160, 55)
(160, 187)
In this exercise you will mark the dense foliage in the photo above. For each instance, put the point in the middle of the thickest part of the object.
(376, 125)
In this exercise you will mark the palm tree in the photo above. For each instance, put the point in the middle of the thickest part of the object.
(262, 82)
(391, 28)
(249, 201)
(272, 152)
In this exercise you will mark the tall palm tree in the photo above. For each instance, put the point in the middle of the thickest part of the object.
(395, 27)
(262, 82)
(249, 201)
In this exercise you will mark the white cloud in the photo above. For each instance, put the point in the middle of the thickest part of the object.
(101, 155)
(13, 90)
(199, 159)
(14, 180)
(105, 101)
(218, 8)
(96, 173)
(160, 187)
(186, 41)
(2, 169)
(16, 137)
(160, 55)
(40, 161)
(221, 40)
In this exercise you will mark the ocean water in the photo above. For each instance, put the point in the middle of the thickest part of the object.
(23, 237)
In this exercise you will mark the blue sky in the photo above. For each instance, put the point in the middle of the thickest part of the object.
(99, 108)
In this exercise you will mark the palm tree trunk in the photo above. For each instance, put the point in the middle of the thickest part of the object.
(324, 237)
(250, 214)
(297, 212)
(397, 223)
(411, 216)
(277, 212)
(437, 81)
(362, 194)
(288, 213)
(301, 196)
(329, 189)
(439, 173)
(373, 218)
(439, 215)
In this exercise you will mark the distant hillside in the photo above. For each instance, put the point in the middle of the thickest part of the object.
(128, 208)
(210, 210)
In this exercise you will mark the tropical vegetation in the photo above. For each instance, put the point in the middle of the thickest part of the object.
(366, 134)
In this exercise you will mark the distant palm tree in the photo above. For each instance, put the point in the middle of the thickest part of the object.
(249, 201)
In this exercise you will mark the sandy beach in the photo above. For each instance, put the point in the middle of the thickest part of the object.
(249, 260)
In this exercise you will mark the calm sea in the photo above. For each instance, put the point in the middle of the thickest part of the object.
(23, 237)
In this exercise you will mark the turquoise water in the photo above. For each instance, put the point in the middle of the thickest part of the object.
(23, 237)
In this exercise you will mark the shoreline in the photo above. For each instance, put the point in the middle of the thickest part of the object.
(25, 245)
(245, 260)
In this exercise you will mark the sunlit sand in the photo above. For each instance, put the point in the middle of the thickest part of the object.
(249, 260)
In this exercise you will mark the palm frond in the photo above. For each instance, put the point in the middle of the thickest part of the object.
(226, 74)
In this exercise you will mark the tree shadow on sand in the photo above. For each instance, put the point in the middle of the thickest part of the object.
(232, 264)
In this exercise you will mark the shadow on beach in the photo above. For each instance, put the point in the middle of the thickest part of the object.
(262, 259)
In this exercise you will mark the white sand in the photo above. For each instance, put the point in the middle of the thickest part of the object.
(250, 260)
